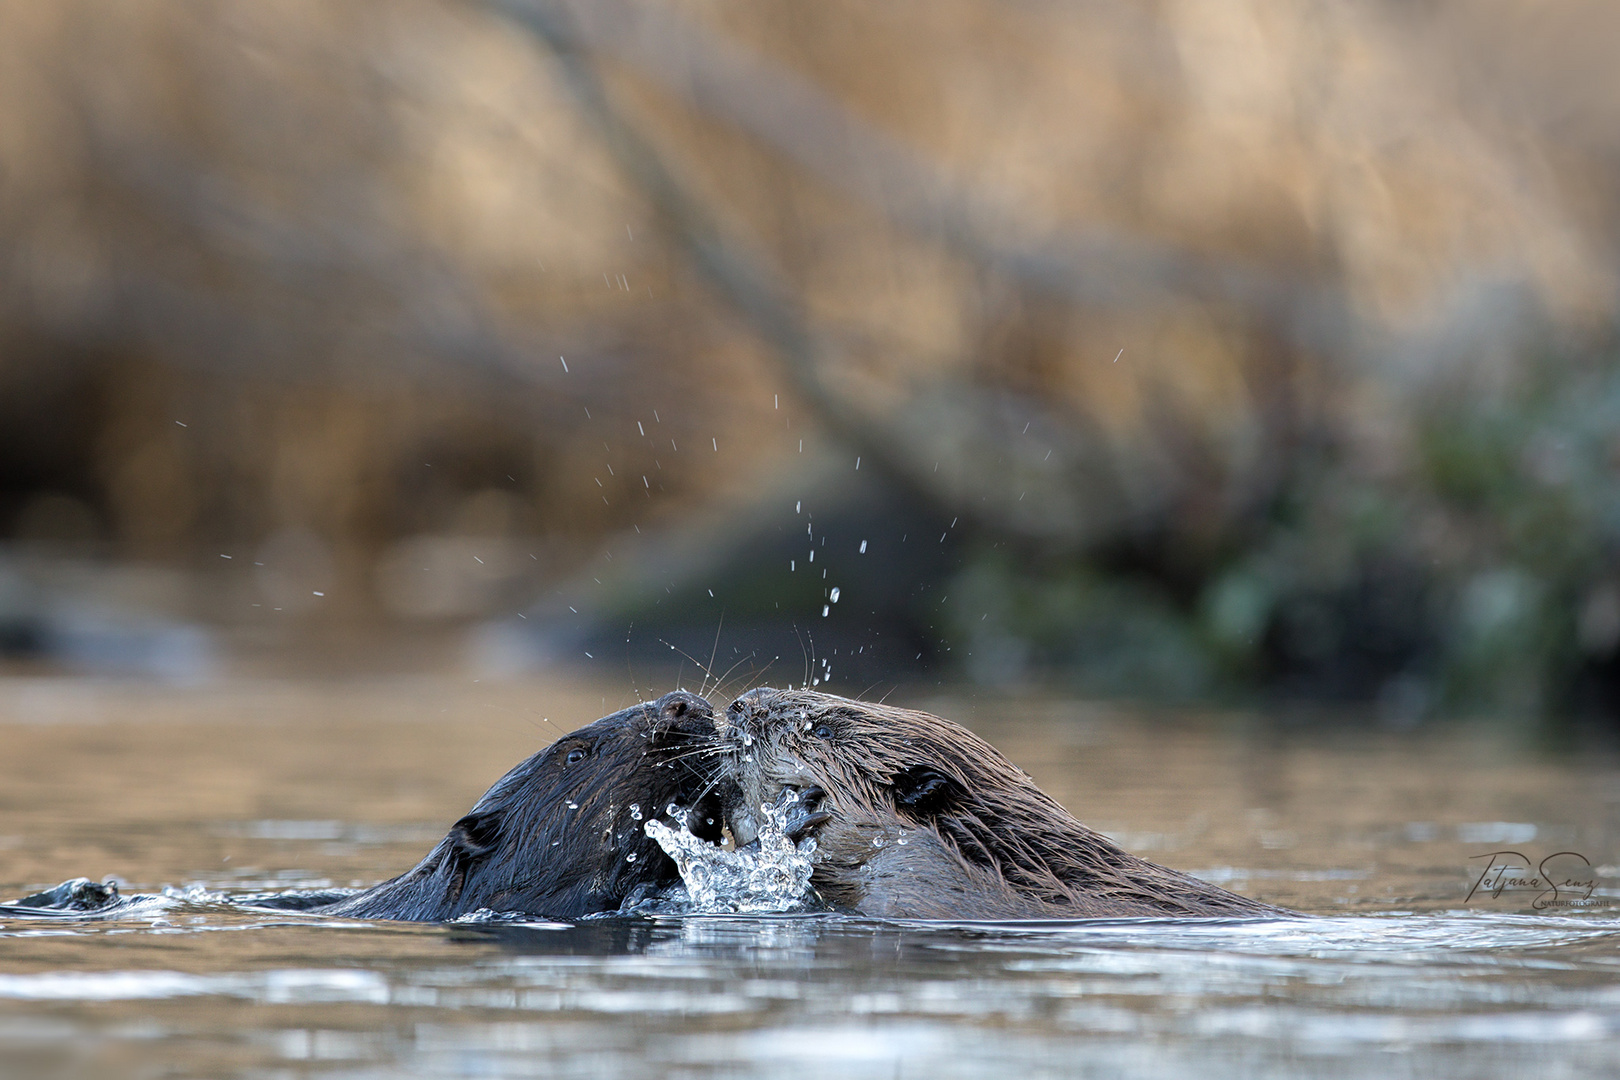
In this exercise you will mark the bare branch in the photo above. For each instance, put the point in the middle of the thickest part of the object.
(1076, 498)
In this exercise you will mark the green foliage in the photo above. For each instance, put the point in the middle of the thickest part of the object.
(1482, 576)
(1105, 635)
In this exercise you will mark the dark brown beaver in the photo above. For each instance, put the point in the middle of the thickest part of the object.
(920, 818)
(562, 835)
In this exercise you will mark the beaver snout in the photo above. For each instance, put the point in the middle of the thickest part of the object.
(735, 722)
(744, 720)
(681, 710)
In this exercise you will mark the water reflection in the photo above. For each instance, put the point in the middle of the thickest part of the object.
(1467, 994)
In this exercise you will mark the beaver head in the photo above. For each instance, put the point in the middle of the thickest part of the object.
(919, 817)
(562, 835)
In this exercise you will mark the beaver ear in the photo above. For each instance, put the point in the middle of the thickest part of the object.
(923, 791)
(476, 835)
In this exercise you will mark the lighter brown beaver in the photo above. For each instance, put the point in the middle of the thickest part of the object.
(920, 818)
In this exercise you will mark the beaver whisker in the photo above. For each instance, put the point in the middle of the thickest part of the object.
(696, 752)
(707, 674)
(695, 745)
(719, 686)
(713, 783)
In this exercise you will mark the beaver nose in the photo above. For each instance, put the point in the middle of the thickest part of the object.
(681, 705)
(731, 723)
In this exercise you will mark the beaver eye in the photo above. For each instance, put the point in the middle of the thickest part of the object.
(823, 731)
(577, 755)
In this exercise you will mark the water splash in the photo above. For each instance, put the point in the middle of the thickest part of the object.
(771, 874)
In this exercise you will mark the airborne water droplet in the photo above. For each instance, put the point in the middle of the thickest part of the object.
(630, 857)
(834, 594)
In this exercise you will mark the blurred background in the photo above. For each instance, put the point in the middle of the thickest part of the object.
(1260, 350)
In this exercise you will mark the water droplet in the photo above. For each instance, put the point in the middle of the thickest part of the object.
(635, 811)
(630, 857)
(834, 594)
(825, 608)
(863, 547)
(573, 806)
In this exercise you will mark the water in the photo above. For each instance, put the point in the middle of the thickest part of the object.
(769, 875)
(246, 787)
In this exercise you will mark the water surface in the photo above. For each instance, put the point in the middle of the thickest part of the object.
(248, 786)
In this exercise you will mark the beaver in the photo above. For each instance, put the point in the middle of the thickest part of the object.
(562, 835)
(917, 817)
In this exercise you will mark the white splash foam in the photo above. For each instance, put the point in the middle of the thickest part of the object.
(772, 874)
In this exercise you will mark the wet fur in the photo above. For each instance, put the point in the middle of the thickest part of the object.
(930, 821)
(523, 849)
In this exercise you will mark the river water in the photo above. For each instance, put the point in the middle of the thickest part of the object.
(1379, 834)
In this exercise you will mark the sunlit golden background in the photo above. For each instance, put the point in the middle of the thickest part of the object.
(1178, 350)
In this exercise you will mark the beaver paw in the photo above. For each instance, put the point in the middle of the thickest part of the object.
(802, 812)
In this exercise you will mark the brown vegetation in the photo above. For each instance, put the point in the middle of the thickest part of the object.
(1180, 294)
